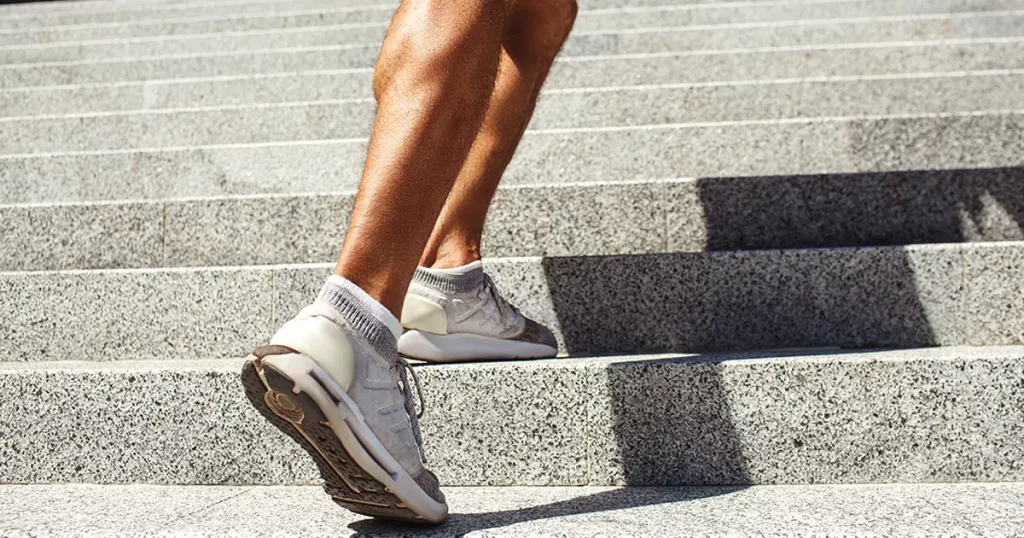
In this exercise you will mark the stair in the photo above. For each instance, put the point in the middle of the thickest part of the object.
(891, 510)
(781, 243)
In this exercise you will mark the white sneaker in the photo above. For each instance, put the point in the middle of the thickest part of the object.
(333, 381)
(454, 315)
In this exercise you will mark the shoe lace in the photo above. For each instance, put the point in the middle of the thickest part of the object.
(405, 373)
(503, 306)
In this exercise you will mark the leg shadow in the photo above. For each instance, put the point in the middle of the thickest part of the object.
(462, 524)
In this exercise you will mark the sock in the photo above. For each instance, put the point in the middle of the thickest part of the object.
(455, 280)
(362, 313)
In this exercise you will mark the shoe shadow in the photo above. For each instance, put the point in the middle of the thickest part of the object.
(460, 524)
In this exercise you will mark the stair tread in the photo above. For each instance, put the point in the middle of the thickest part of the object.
(895, 510)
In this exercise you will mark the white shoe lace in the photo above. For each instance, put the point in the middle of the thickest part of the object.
(504, 307)
(405, 371)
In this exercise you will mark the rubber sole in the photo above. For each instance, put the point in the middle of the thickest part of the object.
(447, 348)
(279, 399)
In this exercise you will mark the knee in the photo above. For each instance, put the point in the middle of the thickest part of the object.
(537, 29)
(433, 40)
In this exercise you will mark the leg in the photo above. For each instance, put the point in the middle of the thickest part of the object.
(433, 80)
(534, 33)
(452, 311)
(331, 378)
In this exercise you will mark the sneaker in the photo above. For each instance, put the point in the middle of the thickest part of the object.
(453, 315)
(333, 381)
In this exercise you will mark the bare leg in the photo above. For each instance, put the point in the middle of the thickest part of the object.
(433, 80)
(534, 33)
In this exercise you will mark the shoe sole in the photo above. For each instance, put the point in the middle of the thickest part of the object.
(468, 347)
(354, 476)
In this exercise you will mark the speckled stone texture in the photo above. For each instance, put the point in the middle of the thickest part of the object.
(543, 220)
(273, 29)
(924, 415)
(735, 213)
(996, 291)
(791, 147)
(74, 236)
(188, 422)
(256, 230)
(883, 208)
(149, 129)
(570, 72)
(745, 300)
(108, 315)
(894, 511)
(904, 416)
(557, 110)
(860, 297)
(310, 50)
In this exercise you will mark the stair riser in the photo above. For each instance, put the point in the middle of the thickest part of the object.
(656, 422)
(348, 26)
(346, 56)
(775, 148)
(31, 19)
(634, 218)
(937, 94)
(779, 64)
(952, 295)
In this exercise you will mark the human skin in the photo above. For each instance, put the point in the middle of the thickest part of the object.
(456, 82)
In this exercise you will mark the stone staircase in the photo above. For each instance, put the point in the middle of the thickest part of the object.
(781, 241)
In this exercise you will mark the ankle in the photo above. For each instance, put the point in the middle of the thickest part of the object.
(450, 255)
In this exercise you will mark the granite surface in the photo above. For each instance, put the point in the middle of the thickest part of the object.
(575, 109)
(282, 122)
(827, 511)
(65, 236)
(790, 147)
(996, 292)
(744, 300)
(543, 220)
(118, 314)
(719, 214)
(861, 297)
(871, 208)
(307, 50)
(572, 72)
(256, 230)
(779, 417)
(161, 29)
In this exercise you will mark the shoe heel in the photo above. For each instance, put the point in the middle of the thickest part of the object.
(277, 397)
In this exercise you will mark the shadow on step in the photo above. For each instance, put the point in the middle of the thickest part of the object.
(617, 499)
(742, 296)
(882, 297)
(863, 209)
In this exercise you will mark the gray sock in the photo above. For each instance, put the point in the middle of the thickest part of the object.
(362, 314)
(454, 280)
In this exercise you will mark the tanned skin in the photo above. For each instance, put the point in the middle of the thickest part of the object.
(456, 83)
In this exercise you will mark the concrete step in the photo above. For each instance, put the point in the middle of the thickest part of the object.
(313, 52)
(785, 417)
(558, 109)
(863, 59)
(601, 218)
(32, 19)
(355, 25)
(892, 511)
(958, 294)
(723, 149)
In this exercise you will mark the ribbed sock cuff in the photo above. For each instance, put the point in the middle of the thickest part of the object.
(455, 280)
(364, 314)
